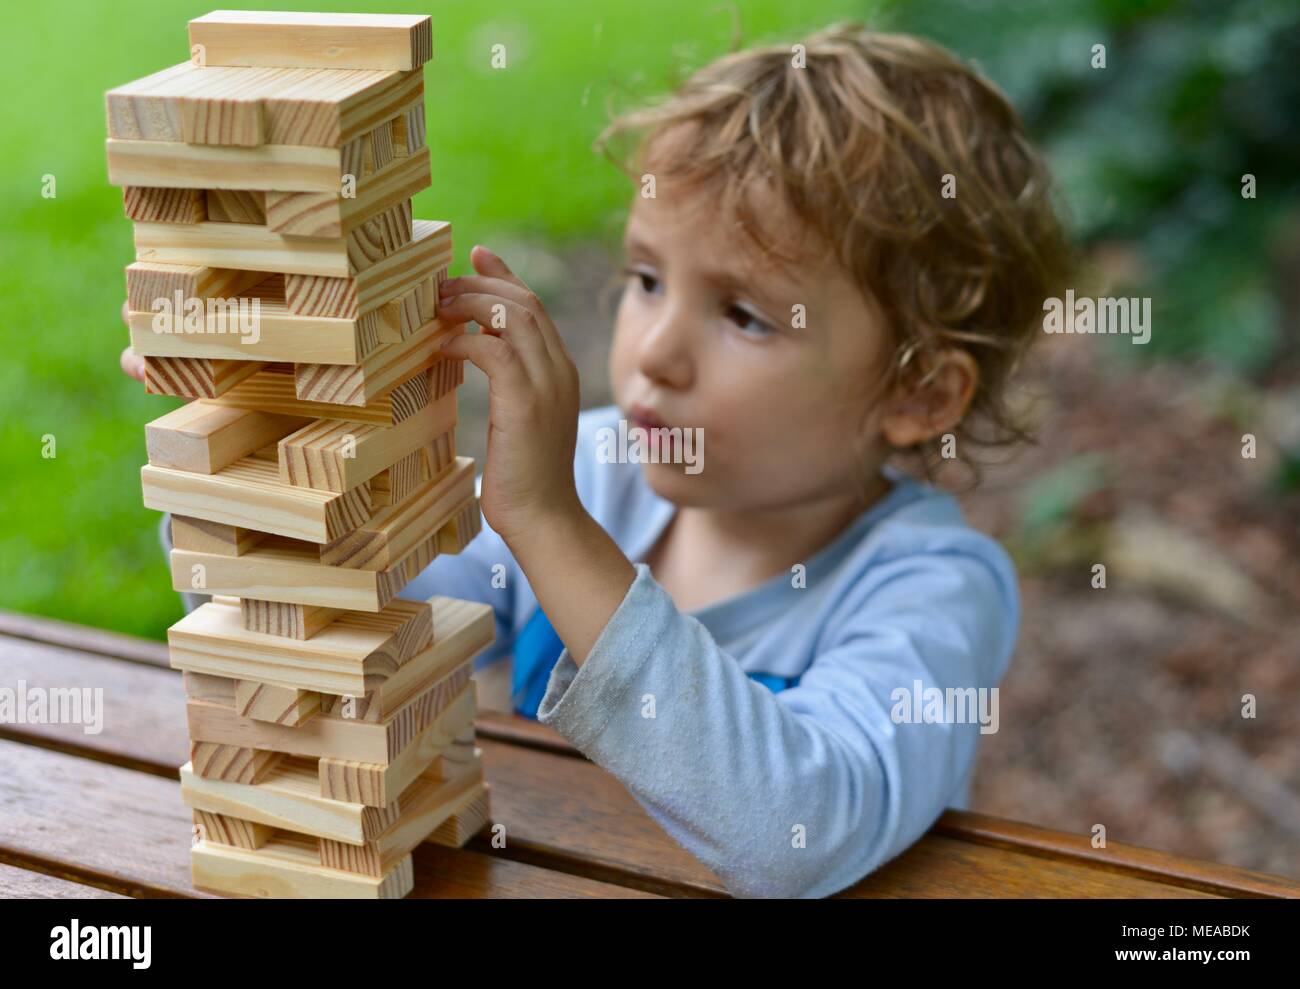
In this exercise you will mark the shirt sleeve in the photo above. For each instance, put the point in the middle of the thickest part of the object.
(803, 792)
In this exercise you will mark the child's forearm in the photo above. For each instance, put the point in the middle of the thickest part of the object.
(578, 574)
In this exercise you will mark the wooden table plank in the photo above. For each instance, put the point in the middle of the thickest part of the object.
(23, 884)
(125, 830)
(131, 832)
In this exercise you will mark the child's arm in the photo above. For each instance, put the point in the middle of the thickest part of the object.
(804, 792)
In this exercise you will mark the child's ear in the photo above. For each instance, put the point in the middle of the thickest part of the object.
(933, 405)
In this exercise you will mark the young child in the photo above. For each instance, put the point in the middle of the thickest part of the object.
(836, 250)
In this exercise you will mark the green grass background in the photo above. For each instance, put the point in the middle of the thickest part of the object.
(511, 154)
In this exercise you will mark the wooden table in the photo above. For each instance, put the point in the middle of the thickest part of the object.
(99, 815)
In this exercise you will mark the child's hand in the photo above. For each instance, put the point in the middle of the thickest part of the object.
(532, 391)
(132, 363)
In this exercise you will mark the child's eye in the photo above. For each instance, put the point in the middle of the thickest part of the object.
(742, 317)
(646, 281)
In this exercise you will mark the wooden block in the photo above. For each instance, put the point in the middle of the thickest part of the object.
(202, 536)
(161, 205)
(297, 621)
(339, 41)
(244, 245)
(196, 166)
(379, 147)
(277, 705)
(338, 456)
(227, 119)
(322, 108)
(147, 283)
(232, 762)
(249, 494)
(458, 829)
(288, 867)
(317, 292)
(426, 805)
(275, 392)
(329, 213)
(289, 569)
(461, 630)
(289, 798)
(236, 205)
(380, 236)
(378, 784)
(387, 768)
(225, 830)
(393, 532)
(378, 372)
(399, 481)
(337, 660)
(195, 377)
(414, 128)
(205, 438)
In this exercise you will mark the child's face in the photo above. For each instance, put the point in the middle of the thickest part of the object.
(707, 336)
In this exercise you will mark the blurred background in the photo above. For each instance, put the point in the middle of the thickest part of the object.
(1123, 705)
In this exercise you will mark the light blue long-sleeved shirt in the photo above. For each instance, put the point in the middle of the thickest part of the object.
(774, 735)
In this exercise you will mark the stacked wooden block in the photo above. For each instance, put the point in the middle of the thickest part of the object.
(314, 474)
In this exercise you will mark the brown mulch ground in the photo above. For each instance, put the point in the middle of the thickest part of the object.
(1123, 706)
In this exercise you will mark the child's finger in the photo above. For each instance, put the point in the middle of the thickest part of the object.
(487, 263)
(519, 327)
(493, 356)
(132, 363)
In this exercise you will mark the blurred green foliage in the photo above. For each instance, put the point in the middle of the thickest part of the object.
(1150, 150)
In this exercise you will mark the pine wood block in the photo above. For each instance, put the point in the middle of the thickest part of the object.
(148, 282)
(275, 392)
(399, 481)
(288, 867)
(395, 531)
(202, 536)
(195, 377)
(427, 804)
(232, 762)
(224, 120)
(243, 245)
(298, 106)
(286, 167)
(378, 372)
(462, 629)
(225, 830)
(400, 42)
(289, 798)
(236, 205)
(380, 236)
(337, 456)
(279, 335)
(152, 204)
(297, 621)
(249, 494)
(337, 660)
(278, 705)
(205, 438)
(379, 783)
(383, 759)
(320, 293)
(463, 825)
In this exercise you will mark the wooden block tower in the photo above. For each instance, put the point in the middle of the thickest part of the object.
(281, 283)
